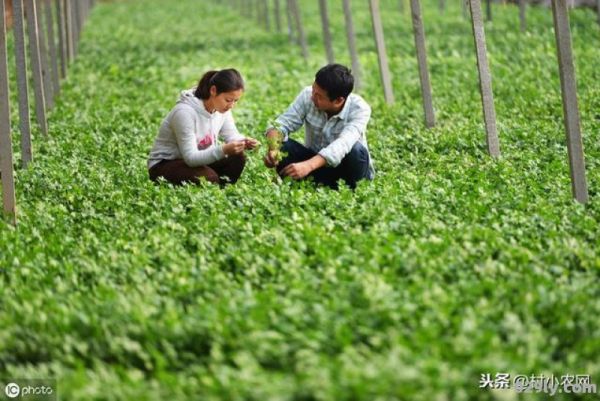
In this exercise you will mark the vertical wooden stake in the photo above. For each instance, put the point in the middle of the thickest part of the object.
(485, 79)
(290, 21)
(6, 154)
(326, 31)
(265, 12)
(277, 11)
(522, 15)
(62, 37)
(48, 89)
(356, 70)
(22, 85)
(401, 5)
(76, 29)
(52, 49)
(36, 65)
(568, 88)
(70, 35)
(298, 22)
(384, 70)
(419, 33)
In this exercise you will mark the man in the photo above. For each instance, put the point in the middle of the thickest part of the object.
(335, 141)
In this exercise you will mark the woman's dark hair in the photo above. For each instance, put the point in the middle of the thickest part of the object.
(336, 80)
(227, 80)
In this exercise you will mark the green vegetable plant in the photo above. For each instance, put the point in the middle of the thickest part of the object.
(447, 266)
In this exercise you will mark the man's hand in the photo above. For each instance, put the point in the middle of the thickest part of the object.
(271, 158)
(274, 141)
(300, 170)
(251, 143)
(234, 148)
(297, 171)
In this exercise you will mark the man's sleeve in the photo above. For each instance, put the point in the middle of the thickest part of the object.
(293, 118)
(356, 126)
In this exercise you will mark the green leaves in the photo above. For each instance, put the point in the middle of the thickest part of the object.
(447, 265)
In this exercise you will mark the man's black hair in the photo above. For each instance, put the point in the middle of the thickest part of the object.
(336, 80)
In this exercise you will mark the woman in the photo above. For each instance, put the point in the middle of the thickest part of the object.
(187, 148)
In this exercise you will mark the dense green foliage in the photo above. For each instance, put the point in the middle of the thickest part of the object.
(448, 265)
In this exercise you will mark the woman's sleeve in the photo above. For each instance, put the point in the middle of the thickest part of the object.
(182, 123)
(229, 131)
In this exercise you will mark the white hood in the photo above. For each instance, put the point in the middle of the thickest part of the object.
(188, 97)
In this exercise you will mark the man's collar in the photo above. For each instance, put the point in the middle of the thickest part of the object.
(344, 111)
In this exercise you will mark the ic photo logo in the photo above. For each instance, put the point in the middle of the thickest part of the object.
(33, 389)
(12, 390)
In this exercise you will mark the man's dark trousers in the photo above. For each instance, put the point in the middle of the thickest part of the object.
(353, 167)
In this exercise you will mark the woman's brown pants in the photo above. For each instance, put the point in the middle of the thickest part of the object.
(224, 171)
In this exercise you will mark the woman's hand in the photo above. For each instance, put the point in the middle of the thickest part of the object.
(234, 148)
(251, 143)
